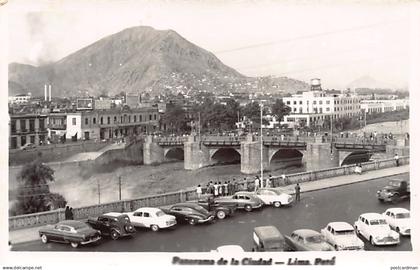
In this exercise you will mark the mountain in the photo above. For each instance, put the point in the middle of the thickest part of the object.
(369, 82)
(137, 59)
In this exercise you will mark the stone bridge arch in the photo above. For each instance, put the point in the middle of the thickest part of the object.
(225, 155)
(174, 153)
(289, 155)
(352, 157)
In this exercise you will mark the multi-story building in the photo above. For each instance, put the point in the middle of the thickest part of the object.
(315, 107)
(57, 127)
(381, 106)
(27, 128)
(20, 99)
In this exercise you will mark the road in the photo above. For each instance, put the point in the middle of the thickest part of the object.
(314, 211)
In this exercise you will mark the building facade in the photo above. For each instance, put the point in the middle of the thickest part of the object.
(381, 106)
(27, 128)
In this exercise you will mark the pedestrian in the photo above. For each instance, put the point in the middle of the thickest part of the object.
(358, 168)
(283, 178)
(245, 184)
(297, 192)
(269, 181)
(397, 160)
(225, 188)
(199, 191)
(216, 189)
(67, 213)
(71, 215)
(263, 183)
(220, 188)
(235, 186)
(256, 183)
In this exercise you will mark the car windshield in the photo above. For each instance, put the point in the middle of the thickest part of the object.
(402, 215)
(378, 222)
(124, 218)
(160, 213)
(345, 232)
(314, 239)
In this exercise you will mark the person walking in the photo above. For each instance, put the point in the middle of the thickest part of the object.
(216, 189)
(256, 183)
(225, 189)
(269, 182)
(71, 215)
(67, 213)
(397, 160)
(220, 188)
(297, 192)
(199, 191)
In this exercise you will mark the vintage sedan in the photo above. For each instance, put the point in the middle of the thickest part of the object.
(275, 197)
(229, 249)
(116, 225)
(244, 200)
(191, 213)
(69, 231)
(341, 236)
(221, 209)
(153, 218)
(374, 228)
(307, 240)
(399, 220)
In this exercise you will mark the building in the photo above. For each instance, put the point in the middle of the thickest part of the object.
(103, 103)
(20, 99)
(316, 106)
(57, 127)
(27, 128)
(132, 100)
(381, 106)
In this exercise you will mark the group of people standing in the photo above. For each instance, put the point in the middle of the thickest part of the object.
(68, 213)
(218, 188)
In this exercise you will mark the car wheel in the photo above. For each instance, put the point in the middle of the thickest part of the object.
(248, 208)
(44, 239)
(221, 214)
(192, 221)
(114, 234)
(74, 244)
(371, 241)
(394, 199)
(277, 204)
(154, 227)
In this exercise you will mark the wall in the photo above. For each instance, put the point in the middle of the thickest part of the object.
(42, 218)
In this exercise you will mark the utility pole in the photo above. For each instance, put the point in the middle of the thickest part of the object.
(261, 141)
(199, 129)
(99, 192)
(119, 187)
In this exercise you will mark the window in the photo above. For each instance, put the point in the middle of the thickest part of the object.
(115, 119)
(32, 139)
(22, 140)
(150, 117)
(86, 121)
(154, 116)
(320, 102)
(135, 118)
(73, 121)
(327, 102)
(22, 124)
(140, 117)
(94, 120)
(102, 120)
(13, 126)
(109, 120)
(288, 102)
(32, 125)
(146, 214)
(314, 102)
(294, 102)
(129, 119)
(327, 109)
(300, 102)
(13, 143)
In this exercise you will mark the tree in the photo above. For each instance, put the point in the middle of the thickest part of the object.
(33, 193)
(279, 109)
(174, 118)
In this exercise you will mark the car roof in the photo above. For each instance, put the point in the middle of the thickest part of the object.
(230, 248)
(113, 214)
(306, 232)
(71, 223)
(397, 210)
(372, 216)
(268, 232)
(148, 209)
(340, 226)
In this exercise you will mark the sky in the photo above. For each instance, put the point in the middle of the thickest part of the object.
(335, 42)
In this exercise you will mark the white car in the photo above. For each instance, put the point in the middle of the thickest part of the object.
(374, 228)
(229, 249)
(342, 236)
(399, 220)
(153, 218)
(272, 196)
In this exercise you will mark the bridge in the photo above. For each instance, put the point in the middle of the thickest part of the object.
(315, 152)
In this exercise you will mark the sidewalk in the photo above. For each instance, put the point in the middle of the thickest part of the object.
(31, 234)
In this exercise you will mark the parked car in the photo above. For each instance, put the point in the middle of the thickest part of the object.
(341, 236)
(189, 212)
(395, 191)
(220, 208)
(27, 146)
(268, 238)
(153, 218)
(115, 225)
(399, 220)
(69, 231)
(307, 240)
(374, 228)
(229, 249)
(272, 196)
(244, 200)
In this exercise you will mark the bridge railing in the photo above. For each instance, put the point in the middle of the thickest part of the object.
(42, 218)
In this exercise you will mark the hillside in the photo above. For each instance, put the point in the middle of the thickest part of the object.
(138, 59)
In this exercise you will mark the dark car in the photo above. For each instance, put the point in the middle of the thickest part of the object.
(244, 200)
(115, 225)
(268, 238)
(395, 191)
(69, 231)
(221, 209)
(191, 213)
(307, 240)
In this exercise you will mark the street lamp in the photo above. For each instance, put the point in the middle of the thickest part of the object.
(261, 141)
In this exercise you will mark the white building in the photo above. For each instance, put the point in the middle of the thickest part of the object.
(20, 99)
(381, 106)
(315, 107)
(74, 125)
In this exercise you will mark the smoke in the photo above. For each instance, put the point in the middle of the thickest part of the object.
(41, 50)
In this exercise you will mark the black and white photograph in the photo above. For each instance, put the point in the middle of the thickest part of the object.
(269, 133)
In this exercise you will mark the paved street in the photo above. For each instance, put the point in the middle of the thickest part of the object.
(316, 208)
